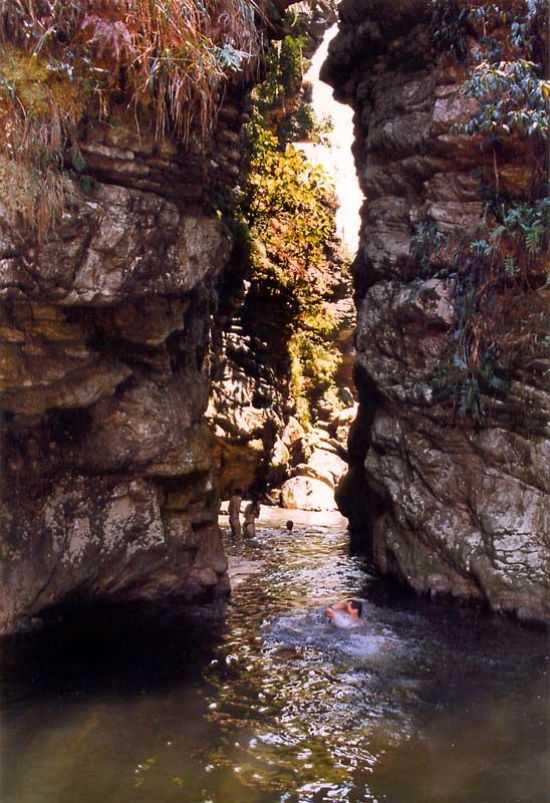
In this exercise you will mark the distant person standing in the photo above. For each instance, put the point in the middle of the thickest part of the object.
(235, 503)
(251, 513)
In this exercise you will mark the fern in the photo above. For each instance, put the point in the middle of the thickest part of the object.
(533, 238)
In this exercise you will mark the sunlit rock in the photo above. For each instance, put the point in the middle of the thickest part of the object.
(307, 493)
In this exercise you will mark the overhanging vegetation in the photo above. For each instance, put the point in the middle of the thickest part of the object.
(65, 62)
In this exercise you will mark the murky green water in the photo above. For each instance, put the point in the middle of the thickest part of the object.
(263, 701)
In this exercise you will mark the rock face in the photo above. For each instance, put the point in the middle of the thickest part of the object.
(108, 486)
(448, 507)
(316, 476)
(283, 339)
(263, 447)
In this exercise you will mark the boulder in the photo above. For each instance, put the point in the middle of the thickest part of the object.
(327, 465)
(307, 493)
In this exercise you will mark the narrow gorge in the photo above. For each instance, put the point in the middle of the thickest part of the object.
(292, 258)
(176, 306)
(155, 356)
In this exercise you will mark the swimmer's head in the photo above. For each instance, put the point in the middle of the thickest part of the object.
(355, 608)
(351, 607)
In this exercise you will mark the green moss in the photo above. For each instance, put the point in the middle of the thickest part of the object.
(42, 91)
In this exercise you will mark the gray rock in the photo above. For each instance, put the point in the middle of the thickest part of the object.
(108, 469)
(449, 509)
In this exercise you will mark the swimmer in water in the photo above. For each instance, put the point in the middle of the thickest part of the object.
(345, 614)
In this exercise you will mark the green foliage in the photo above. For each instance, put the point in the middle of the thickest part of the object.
(280, 100)
(285, 67)
(500, 302)
(313, 365)
(512, 98)
(454, 21)
(501, 269)
(289, 206)
(291, 63)
(303, 125)
(512, 94)
(528, 224)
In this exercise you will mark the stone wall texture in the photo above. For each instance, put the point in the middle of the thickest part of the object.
(108, 480)
(448, 508)
(264, 449)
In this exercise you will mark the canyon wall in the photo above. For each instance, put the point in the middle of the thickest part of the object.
(449, 475)
(113, 322)
(108, 466)
(266, 447)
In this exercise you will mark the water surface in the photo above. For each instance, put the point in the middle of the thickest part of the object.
(262, 701)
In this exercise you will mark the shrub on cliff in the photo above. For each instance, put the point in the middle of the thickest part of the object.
(64, 62)
(283, 98)
(289, 205)
(502, 269)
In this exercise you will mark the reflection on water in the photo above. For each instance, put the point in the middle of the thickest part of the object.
(263, 701)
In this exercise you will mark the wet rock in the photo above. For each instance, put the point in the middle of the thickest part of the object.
(98, 539)
(448, 509)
